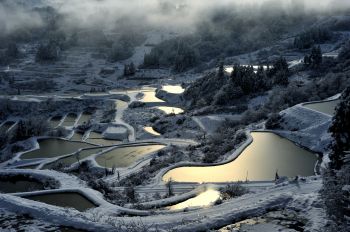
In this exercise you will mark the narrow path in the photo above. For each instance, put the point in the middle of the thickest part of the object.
(246, 206)
(181, 188)
(121, 106)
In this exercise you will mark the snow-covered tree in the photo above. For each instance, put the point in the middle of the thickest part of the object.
(221, 71)
(336, 190)
(129, 69)
(340, 130)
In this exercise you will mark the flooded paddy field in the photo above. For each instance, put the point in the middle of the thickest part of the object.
(50, 148)
(260, 161)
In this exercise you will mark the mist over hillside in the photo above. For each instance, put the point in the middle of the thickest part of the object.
(182, 15)
(175, 115)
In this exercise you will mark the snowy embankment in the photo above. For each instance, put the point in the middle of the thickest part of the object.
(306, 127)
(116, 133)
(172, 200)
(301, 196)
(231, 156)
(65, 181)
(211, 123)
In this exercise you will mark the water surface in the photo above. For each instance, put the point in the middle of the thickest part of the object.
(258, 162)
(324, 107)
(150, 97)
(50, 148)
(18, 186)
(73, 158)
(150, 130)
(126, 156)
(55, 121)
(175, 89)
(170, 110)
(97, 138)
(68, 200)
(70, 120)
(204, 199)
(84, 118)
(77, 137)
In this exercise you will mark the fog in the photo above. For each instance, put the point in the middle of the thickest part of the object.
(14, 17)
(176, 14)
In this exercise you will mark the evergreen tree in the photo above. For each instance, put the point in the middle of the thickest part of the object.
(185, 59)
(345, 52)
(132, 68)
(340, 130)
(280, 72)
(261, 82)
(336, 186)
(307, 60)
(129, 69)
(316, 56)
(221, 71)
(280, 65)
(316, 35)
(48, 52)
(151, 60)
(281, 78)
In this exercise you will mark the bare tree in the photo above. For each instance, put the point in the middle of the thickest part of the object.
(77, 156)
(113, 169)
(169, 186)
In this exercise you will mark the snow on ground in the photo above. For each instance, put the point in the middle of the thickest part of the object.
(154, 37)
(9, 221)
(306, 127)
(66, 181)
(257, 102)
(303, 126)
(210, 123)
(116, 133)
(287, 195)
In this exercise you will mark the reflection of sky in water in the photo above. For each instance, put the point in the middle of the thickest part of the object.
(260, 160)
(170, 110)
(126, 156)
(324, 107)
(229, 69)
(150, 96)
(175, 89)
(150, 130)
(50, 148)
(206, 198)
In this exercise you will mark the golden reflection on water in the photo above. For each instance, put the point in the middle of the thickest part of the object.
(150, 130)
(259, 162)
(150, 96)
(120, 104)
(206, 198)
(73, 158)
(175, 89)
(170, 110)
(97, 138)
(324, 107)
(126, 156)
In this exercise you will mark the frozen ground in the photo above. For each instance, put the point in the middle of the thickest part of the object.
(303, 126)
(300, 196)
